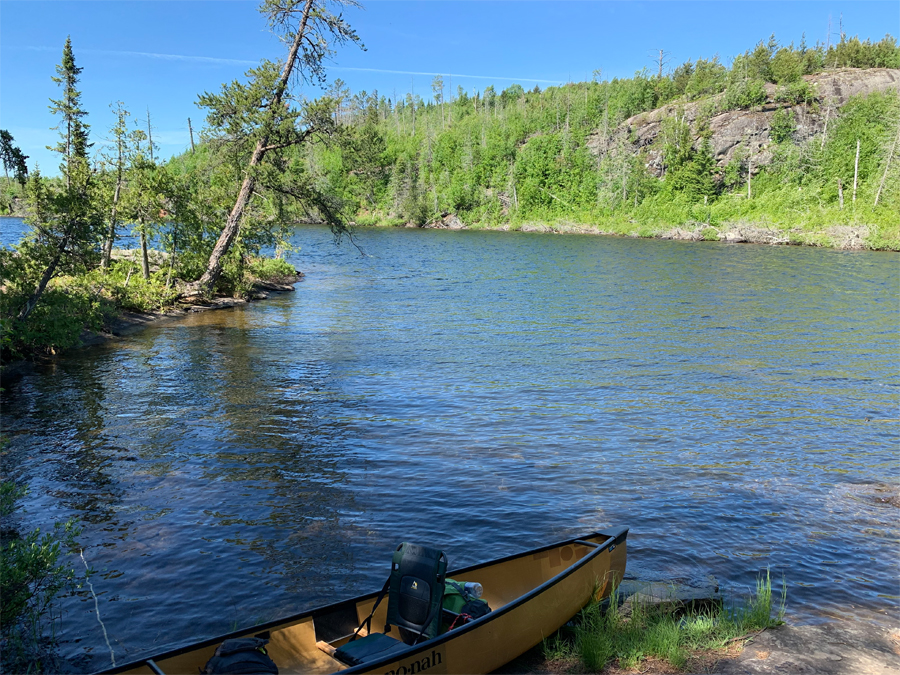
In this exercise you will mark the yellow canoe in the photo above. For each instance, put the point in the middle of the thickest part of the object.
(532, 594)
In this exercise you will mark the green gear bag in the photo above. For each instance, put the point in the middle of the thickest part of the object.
(454, 595)
(456, 600)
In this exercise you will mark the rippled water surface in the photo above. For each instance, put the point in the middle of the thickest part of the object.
(736, 406)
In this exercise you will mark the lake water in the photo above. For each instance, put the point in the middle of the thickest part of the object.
(735, 405)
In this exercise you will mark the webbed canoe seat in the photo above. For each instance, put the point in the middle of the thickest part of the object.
(415, 591)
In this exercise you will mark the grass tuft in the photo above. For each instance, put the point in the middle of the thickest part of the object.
(603, 635)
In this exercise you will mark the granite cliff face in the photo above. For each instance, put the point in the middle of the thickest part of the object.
(747, 128)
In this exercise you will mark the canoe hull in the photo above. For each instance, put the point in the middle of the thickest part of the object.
(532, 595)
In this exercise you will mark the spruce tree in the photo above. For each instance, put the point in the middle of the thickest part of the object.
(13, 158)
(73, 131)
(65, 224)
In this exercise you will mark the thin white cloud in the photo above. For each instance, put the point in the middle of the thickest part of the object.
(175, 57)
(172, 138)
(215, 60)
(415, 72)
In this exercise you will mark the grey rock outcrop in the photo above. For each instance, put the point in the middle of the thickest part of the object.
(749, 129)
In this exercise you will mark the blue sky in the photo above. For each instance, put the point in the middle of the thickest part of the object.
(161, 54)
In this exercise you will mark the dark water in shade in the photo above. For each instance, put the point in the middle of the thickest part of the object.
(486, 392)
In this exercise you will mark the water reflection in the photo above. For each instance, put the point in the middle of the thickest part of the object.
(484, 392)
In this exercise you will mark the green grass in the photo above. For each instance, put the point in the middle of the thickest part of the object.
(603, 635)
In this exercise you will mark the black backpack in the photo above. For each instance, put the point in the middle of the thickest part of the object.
(241, 656)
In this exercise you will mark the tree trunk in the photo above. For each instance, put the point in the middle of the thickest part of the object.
(886, 167)
(232, 226)
(191, 131)
(32, 301)
(113, 222)
(840, 193)
(149, 134)
(172, 258)
(145, 257)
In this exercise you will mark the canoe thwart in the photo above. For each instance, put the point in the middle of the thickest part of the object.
(151, 664)
(327, 648)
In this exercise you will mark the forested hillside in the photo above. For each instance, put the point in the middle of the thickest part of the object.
(787, 145)
(769, 143)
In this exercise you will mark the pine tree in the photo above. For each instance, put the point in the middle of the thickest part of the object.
(257, 120)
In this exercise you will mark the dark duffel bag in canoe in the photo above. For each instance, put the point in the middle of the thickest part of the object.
(241, 656)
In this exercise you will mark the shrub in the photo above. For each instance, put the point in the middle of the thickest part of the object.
(31, 578)
(745, 94)
(786, 65)
(55, 323)
(796, 93)
(782, 126)
(270, 268)
(709, 77)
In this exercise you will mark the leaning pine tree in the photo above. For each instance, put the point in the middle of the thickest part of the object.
(260, 119)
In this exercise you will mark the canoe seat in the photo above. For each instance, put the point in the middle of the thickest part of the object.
(369, 648)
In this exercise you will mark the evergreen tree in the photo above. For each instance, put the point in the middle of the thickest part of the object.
(73, 131)
(64, 224)
(13, 159)
(258, 121)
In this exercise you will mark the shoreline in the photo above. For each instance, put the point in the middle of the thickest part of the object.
(127, 323)
(838, 237)
(832, 648)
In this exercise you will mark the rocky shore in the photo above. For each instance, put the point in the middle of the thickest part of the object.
(837, 236)
(860, 645)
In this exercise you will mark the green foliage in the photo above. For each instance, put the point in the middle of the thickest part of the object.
(603, 634)
(709, 77)
(782, 127)
(872, 120)
(67, 307)
(786, 66)
(270, 269)
(851, 53)
(771, 62)
(744, 94)
(32, 575)
(72, 129)
(796, 93)
(13, 158)
(736, 169)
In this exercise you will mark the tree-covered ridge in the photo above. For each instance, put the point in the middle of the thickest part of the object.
(637, 155)
(514, 156)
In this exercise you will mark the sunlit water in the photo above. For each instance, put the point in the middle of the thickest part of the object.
(487, 393)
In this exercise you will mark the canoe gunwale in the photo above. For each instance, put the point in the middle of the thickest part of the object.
(615, 537)
(609, 544)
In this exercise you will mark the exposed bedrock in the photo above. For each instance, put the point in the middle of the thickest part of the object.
(747, 128)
